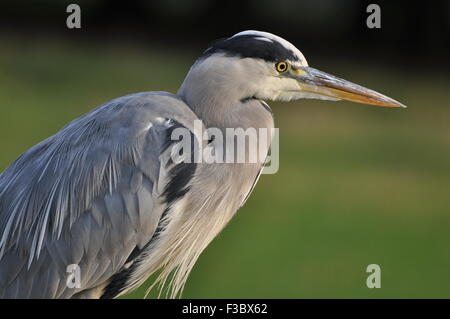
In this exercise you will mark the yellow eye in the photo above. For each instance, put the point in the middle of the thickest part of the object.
(281, 66)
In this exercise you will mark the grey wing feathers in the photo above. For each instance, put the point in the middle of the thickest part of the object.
(85, 196)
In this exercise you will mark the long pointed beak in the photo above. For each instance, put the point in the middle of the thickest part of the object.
(321, 83)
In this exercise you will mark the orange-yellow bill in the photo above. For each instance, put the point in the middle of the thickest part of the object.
(321, 83)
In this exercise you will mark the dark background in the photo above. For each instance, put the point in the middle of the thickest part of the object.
(357, 184)
(413, 32)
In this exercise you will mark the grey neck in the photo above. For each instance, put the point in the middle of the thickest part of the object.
(220, 109)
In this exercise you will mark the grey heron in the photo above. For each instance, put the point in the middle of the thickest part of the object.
(104, 193)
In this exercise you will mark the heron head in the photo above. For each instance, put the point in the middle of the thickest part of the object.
(255, 64)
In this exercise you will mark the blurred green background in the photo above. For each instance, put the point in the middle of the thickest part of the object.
(357, 184)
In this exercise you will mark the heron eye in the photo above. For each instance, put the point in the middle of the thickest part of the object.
(281, 66)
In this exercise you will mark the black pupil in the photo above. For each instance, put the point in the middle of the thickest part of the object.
(281, 66)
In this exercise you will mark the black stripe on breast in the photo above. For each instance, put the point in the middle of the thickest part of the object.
(118, 282)
(179, 177)
(181, 174)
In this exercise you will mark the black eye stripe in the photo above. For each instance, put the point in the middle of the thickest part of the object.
(251, 46)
